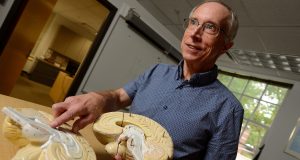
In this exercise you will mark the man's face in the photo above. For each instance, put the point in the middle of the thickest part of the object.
(200, 47)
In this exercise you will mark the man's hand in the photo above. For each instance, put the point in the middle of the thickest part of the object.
(88, 107)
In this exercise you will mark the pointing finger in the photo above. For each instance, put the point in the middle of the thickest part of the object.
(64, 117)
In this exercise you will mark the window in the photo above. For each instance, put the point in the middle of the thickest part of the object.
(261, 100)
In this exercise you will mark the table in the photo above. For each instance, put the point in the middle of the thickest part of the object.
(8, 150)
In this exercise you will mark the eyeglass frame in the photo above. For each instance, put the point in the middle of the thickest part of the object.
(187, 21)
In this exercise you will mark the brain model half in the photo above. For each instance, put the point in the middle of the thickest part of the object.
(133, 136)
(29, 130)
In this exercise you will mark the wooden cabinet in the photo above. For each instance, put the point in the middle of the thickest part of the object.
(44, 73)
(70, 44)
(61, 86)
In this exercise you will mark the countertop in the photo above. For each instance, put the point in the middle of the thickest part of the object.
(52, 64)
(8, 150)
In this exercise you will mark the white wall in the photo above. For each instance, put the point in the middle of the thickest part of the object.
(282, 127)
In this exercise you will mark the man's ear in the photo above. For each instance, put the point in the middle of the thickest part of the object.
(227, 46)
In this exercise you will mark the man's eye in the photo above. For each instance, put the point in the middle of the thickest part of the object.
(210, 26)
(194, 22)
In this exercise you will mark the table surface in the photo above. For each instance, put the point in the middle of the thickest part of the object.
(8, 150)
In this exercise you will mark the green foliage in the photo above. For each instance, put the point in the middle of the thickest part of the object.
(265, 113)
(249, 105)
(225, 79)
(255, 89)
(274, 94)
(238, 85)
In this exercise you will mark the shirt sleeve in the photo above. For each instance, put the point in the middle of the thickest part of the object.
(224, 142)
(132, 87)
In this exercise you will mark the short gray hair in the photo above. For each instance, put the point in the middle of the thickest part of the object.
(233, 23)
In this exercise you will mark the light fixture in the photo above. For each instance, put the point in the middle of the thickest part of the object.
(266, 59)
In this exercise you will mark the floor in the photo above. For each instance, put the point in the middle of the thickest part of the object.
(28, 90)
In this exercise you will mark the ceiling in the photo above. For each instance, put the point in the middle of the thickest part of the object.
(268, 37)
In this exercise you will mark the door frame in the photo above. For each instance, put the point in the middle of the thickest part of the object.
(11, 21)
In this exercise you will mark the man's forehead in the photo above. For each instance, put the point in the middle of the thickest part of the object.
(214, 8)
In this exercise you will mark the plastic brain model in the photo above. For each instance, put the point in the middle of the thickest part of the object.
(133, 137)
(29, 130)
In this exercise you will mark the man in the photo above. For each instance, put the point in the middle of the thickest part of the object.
(201, 115)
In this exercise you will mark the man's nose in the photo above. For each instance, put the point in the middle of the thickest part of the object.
(197, 32)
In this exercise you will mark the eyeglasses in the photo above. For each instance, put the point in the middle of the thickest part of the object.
(207, 27)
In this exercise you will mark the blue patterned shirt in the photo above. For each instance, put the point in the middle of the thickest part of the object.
(202, 116)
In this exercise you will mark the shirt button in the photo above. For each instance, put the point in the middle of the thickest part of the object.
(165, 107)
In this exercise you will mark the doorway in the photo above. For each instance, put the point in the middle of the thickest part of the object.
(59, 57)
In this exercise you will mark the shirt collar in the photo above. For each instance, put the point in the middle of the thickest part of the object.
(198, 79)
